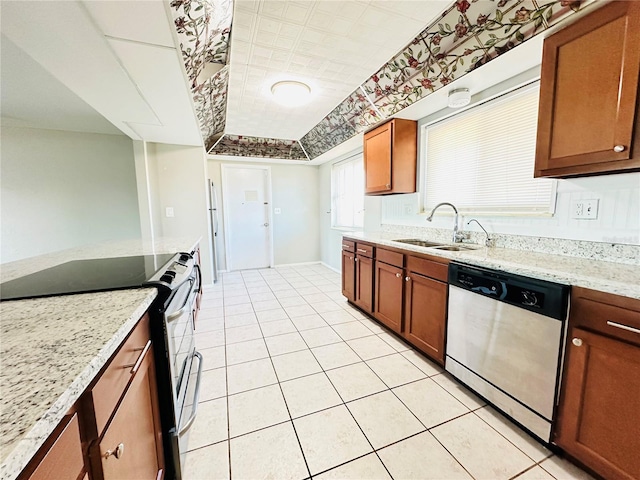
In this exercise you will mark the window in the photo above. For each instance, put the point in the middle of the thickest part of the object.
(482, 160)
(347, 193)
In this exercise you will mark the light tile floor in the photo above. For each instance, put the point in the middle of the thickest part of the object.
(298, 384)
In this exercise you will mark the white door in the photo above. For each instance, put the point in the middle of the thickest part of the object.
(246, 196)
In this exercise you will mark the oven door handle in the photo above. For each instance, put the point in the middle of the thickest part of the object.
(196, 395)
(185, 306)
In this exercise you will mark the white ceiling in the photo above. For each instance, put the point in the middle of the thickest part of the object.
(331, 45)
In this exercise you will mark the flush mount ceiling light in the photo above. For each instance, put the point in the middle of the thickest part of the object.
(291, 93)
(460, 97)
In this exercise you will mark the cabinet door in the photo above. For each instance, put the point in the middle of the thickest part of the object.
(364, 283)
(588, 93)
(348, 275)
(131, 447)
(599, 410)
(425, 314)
(377, 159)
(388, 294)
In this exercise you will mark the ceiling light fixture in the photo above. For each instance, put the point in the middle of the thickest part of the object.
(458, 98)
(291, 93)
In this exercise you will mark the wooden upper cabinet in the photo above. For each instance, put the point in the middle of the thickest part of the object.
(390, 154)
(589, 94)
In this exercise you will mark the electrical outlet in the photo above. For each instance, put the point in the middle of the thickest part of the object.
(585, 209)
(168, 211)
(277, 211)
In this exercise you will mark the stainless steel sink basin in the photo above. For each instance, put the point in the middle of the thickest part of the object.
(420, 243)
(437, 246)
(455, 248)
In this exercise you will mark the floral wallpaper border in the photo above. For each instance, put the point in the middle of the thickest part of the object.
(245, 146)
(469, 34)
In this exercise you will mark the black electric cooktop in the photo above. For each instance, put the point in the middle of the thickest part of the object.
(85, 276)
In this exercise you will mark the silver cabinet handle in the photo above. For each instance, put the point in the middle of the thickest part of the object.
(361, 250)
(345, 246)
(138, 362)
(119, 450)
(619, 148)
(196, 395)
(623, 327)
(577, 342)
(398, 275)
(406, 279)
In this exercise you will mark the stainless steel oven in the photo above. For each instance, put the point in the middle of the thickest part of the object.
(504, 338)
(183, 363)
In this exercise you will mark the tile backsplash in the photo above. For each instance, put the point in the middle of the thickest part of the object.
(616, 230)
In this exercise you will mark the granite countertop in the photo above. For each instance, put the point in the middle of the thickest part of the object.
(52, 348)
(615, 278)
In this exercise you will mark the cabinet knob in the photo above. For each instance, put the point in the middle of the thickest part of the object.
(406, 279)
(116, 453)
(619, 148)
(398, 275)
(356, 259)
(577, 342)
(388, 185)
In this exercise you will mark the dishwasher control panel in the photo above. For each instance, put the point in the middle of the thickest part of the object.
(547, 298)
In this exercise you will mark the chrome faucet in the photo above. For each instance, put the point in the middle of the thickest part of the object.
(489, 241)
(457, 236)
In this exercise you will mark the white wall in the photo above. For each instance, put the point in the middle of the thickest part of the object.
(177, 179)
(330, 238)
(63, 189)
(296, 230)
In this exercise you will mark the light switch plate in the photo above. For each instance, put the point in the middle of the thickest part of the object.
(168, 211)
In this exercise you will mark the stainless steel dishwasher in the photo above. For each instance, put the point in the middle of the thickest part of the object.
(504, 340)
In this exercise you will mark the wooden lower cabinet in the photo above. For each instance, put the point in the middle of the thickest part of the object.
(599, 409)
(389, 295)
(364, 283)
(425, 314)
(131, 447)
(348, 275)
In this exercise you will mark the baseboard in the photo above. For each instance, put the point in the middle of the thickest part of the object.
(296, 264)
(331, 268)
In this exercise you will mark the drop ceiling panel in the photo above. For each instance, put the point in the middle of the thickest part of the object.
(62, 37)
(333, 46)
(157, 72)
(142, 20)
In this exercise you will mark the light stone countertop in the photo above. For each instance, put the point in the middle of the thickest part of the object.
(52, 348)
(615, 278)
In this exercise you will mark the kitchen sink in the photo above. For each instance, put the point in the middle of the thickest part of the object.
(455, 248)
(437, 246)
(420, 243)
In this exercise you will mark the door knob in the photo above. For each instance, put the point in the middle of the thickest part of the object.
(577, 342)
(619, 148)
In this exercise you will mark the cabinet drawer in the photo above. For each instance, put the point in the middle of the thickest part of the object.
(109, 389)
(364, 249)
(348, 246)
(392, 258)
(611, 315)
(64, 458)
(428, 268)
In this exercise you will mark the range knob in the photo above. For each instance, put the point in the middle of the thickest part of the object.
(184, 257)
(529, 299)
(166, 278)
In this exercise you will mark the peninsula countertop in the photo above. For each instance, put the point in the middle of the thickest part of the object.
(52, 348)
(615, 278)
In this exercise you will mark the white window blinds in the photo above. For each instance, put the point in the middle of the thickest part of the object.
(482, 160)
(347, 193)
